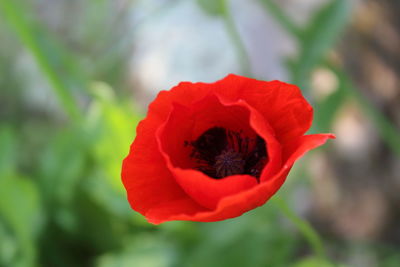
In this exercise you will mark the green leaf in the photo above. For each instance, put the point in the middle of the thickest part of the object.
(21, 216)
(61, 166)
(55, 63)
(8, 150)
(111, 125)
(321, 34)
(314, 262)
(8, 245)
(249, 240)
(144, 250)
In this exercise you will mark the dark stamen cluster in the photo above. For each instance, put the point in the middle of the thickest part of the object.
(220, 153)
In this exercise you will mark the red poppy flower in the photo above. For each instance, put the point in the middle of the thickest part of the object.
(209, 152)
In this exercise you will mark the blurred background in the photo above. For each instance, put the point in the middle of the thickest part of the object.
(76, 77)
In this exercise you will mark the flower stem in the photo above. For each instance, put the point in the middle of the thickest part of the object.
(236, 40)
(31, 36)
(303, 226)
(277, 13)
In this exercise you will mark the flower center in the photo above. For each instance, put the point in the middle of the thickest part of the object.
(229, 162)
(219, 153)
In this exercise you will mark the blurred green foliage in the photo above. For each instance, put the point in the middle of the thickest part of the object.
(62, 201)
(214, 8)
(315, 41)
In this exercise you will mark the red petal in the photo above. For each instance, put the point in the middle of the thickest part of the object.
(146, 178)
(187, 123)
(282, 104)
(148, 181)
(235, 205)
(153, 191)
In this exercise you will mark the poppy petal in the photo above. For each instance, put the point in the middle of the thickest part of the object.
(282, 104)
(144, 173)
(146, 178)
(233, 206)
(157, 173)
(185, 123)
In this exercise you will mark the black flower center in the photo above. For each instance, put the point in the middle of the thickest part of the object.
(229, 162)
(219, 152)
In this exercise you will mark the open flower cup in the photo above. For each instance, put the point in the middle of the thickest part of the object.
(212, 151)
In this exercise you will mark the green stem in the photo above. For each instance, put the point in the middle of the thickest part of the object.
(237, 40)
(17, 17)
(281, 17)
(303, 226)
(386, 129)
